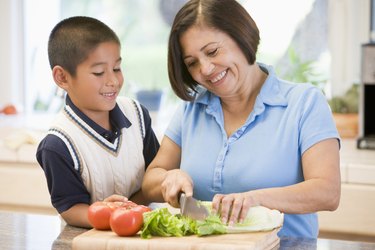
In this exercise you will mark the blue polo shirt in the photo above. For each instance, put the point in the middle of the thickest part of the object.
(265, 152)
(65, 184)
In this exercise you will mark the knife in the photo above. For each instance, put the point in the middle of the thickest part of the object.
(192, 208)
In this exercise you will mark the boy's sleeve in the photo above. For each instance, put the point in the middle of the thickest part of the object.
(150, 142)
(64, 183)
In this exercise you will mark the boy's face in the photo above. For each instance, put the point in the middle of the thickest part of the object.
(98, 80)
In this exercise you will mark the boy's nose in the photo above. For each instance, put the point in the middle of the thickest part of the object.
(113, 81)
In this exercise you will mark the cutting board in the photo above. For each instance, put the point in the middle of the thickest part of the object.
(95, 239)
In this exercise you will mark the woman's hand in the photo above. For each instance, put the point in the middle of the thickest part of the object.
(233, 207)
(176, 181)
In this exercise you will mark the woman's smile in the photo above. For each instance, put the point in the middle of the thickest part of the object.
(219, 77)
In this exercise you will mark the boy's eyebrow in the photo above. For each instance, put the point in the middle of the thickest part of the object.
(100, 63)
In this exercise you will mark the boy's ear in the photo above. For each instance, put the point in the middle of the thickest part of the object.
(61, 77)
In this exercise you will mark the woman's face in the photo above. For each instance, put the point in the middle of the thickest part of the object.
(214, 60)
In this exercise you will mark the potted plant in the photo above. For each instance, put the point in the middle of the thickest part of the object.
(345, 112)
(344, 108)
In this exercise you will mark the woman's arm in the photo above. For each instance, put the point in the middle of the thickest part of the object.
(163, 180)
(320, 190)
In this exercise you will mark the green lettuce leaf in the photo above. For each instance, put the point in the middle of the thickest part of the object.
(160, 222)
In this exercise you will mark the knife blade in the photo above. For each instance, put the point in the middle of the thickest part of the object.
(192, 208)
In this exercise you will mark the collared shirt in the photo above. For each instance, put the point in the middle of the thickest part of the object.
(265, 152)
(64, 181)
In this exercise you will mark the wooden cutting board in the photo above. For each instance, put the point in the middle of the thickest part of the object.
(95, 239)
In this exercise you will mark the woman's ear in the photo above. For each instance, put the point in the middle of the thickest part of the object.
(61, 77)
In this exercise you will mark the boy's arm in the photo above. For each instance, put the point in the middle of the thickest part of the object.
(77, 215)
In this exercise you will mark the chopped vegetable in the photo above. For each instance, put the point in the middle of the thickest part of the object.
(160, 222)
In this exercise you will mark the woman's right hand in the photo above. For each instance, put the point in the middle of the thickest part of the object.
(175, 182)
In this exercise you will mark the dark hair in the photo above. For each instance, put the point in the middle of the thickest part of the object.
(227, 16)
(72, 39)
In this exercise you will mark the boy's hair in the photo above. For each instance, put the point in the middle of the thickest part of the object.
(227, 16)
(72, 39)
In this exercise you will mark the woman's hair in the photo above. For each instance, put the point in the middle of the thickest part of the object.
(72, 39)
(228, 16)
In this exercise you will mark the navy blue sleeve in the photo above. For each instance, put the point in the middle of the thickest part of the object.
(65, 184)
(150, 143)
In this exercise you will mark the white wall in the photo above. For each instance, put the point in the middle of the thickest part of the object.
(11, 52)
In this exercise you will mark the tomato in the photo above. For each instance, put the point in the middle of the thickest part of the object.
(141, 208)
(9, 109)
(128, 204)
(126, 222)
(99, 213)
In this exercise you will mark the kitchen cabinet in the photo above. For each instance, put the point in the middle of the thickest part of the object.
(355, 214)
(22, 182)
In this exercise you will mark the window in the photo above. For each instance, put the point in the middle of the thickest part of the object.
(143, 27)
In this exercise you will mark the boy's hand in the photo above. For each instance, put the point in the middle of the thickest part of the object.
(116, 198)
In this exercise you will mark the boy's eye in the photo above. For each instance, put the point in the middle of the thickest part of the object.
(117, 70)
(98, 73)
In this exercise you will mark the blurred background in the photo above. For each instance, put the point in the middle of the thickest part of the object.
(317, 41)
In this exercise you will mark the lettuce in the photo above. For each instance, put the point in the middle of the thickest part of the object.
(161, 222)
(258, 218)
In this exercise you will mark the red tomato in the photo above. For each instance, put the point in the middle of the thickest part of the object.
(128, 204)
(9, 110)
(141, 208)
(99, 213)
(126, 222)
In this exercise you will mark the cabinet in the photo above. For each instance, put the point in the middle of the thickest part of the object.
(355, 214)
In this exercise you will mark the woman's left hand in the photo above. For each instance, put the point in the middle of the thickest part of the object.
(233, 207)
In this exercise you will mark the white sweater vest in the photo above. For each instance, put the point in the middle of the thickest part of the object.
(106, 168)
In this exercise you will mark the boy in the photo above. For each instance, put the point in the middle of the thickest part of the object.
(99, 145)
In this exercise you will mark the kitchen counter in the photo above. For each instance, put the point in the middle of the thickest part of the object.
(33, 231)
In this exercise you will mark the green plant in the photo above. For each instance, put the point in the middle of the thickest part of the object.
(347, 103)
(300, 71)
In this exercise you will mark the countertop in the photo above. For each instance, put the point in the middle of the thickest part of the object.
(35, 231)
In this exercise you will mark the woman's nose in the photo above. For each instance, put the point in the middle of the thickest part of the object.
(207, 67)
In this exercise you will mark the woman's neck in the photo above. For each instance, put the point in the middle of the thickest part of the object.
(244, 101)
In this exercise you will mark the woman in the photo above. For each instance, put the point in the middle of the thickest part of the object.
(243, 137)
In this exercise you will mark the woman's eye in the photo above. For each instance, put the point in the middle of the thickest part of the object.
(212, 52)
(190, 64)
(117, 70)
